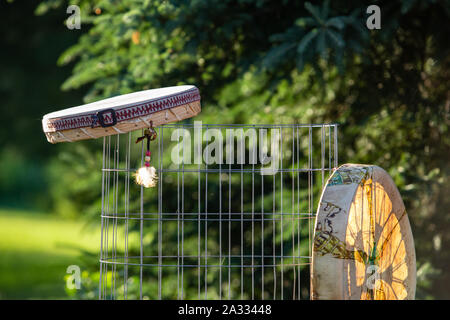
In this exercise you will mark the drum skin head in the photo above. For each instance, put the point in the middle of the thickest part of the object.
(363, 246)
(121, 114)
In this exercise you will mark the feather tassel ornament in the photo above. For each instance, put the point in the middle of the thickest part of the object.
(146, 176)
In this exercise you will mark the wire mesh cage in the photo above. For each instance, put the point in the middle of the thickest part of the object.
(231, 217)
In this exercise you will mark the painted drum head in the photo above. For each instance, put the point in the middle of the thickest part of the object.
(363, 245)
(122, 114)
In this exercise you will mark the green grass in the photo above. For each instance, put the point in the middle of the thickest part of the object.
(35, 251)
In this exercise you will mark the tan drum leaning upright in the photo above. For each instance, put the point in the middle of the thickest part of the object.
(363, 245)
(124, 113)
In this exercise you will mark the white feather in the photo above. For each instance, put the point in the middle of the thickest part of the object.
(146, 176)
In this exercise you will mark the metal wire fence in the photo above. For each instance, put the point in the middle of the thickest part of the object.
(233, 219)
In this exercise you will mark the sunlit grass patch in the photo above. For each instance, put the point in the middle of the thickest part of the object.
(37, 248)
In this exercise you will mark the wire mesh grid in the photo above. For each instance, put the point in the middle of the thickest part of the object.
(222, 229)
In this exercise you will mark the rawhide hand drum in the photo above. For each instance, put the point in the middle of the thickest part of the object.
(121, 114)
(363, 245)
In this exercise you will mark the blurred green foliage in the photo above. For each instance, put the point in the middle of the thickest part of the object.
(29, 84)
(260, 61)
